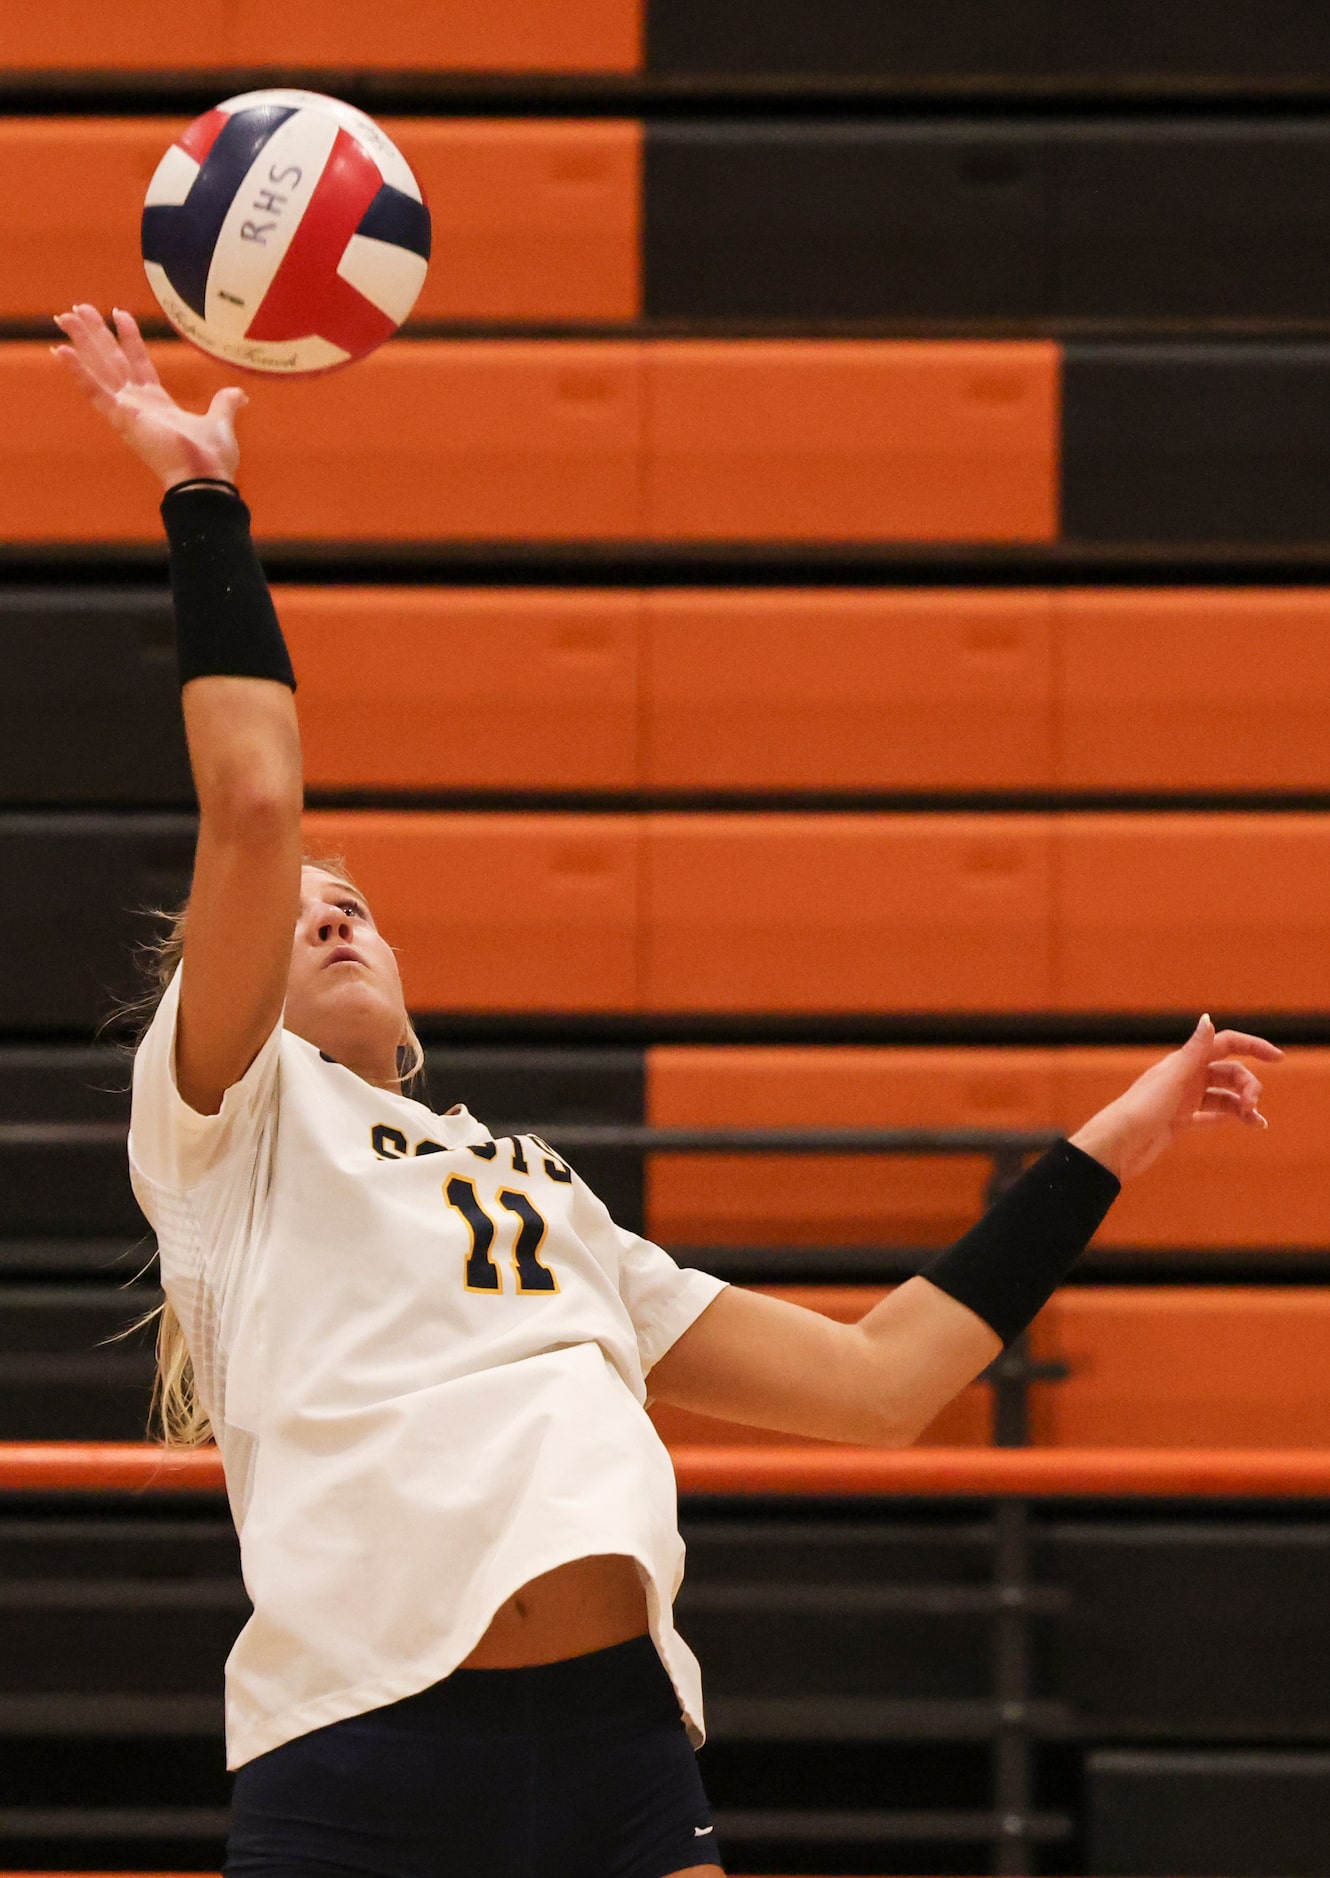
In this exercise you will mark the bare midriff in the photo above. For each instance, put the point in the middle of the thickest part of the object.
(588, 1604)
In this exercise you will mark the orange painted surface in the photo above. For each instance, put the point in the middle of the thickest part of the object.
(73, 190)
(498, 912)
(831, 440)
(1193, 688)
(1191, 912)
(1037, 1473)
(535, 220)
(83, 36)
(306, 35)
(423, 441)
(563, 440)
(1222, 1188)
(841, 912)
(454, 35)
(828, 689)
(465, 688)
(1198, 1367)
(830, 1199)
(1227, 1189)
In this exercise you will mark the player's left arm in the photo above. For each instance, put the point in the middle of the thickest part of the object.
(771, 1364)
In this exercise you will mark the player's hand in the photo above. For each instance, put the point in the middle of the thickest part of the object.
(120, 381)
(1195, 1087)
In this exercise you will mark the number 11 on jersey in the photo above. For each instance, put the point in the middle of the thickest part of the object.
(482, 1274)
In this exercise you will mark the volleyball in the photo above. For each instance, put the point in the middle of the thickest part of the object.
(285, 232)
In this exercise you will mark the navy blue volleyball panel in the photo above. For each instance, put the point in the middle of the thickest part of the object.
(181, 238)
(398, 218)
(1197, 445)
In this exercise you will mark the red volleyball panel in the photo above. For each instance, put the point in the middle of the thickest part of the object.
(307, 295)
(198, 139)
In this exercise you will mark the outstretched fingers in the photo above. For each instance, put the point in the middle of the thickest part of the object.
(97, 351)
(1239, 1043)
(1237, 1078)
(141, 368)
(102, 400)
(98, 347)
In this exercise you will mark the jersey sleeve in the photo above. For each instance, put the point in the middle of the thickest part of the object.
(661, 1297)
(172, 1146)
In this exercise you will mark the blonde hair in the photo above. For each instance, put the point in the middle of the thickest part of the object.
(176, 1414)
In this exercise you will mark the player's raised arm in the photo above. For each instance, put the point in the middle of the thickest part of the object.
(771, 1364)
(240, 719)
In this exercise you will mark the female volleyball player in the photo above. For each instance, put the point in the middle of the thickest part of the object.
(425, 1352)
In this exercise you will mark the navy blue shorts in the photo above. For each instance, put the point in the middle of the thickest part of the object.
(578, 1769)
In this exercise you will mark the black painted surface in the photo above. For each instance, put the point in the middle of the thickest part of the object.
(1252, 42)
(1252, 1814)
(81, 882)
(846, 38)
(863, 219)
(1204, 444)
(90, 707)
(72, 1365)
(1180, 1628)
(858, 219)
(57, 1186)
(971, 43)
(1190, 219)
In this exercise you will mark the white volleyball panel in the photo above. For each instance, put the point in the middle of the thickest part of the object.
(389, 277)
(262, 219)
(172, 179)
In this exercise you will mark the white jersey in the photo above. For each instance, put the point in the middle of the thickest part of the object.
(423, 1353)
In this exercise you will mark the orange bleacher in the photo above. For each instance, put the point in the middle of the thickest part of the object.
(790, 689)
(852, 440)
(568, 440)
(540, 911)
(1217, 1191)
(154, 37)
(934, 1473)
(466, 688)
(533, 219)
(853, 913)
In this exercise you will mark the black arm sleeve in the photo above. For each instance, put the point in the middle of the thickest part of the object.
(1011, 1262)
(226, 624)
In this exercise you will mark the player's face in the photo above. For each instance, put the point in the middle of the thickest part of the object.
(343, 993)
